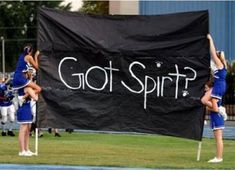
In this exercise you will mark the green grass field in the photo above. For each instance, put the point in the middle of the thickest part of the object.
(119, 150)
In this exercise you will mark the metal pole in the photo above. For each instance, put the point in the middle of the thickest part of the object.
(3, 55)
(36, 141)
(199, 151)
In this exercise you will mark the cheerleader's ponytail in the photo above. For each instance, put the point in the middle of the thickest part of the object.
(27, 49)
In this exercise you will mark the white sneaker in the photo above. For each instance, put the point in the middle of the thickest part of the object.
(24, 153)
(215, 160)
(223, 113)
(29, 152)
(21, 153)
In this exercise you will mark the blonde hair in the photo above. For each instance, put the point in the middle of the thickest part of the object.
(221, 56)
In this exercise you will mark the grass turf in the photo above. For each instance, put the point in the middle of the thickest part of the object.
(119, 150)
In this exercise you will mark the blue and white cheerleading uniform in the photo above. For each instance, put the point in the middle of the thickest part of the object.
(217, 120)
(24, 113)
(7, 107)
(218, 90)
(219, 87)
(19, 79)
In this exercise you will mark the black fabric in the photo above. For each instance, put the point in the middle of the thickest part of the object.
(123, 73)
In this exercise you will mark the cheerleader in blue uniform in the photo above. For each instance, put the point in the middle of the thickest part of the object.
(213, 99)
(7, 107)
(24, 118)
(20, 80)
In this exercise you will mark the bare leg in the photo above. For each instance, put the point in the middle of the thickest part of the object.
(32, 90)
(31, 93)
(27, 134)
(219, 143)
(206, 99)
(56, 130)
(214, 107)
(57, 134)
(22, 132)
(35, 87)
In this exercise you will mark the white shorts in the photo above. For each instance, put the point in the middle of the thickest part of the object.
(8, 110)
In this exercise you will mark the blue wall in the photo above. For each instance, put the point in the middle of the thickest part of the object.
(221, 17)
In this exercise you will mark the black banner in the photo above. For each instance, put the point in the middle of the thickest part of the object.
(123, 73)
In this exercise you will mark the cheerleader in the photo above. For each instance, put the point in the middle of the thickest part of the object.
(213, 99)
(24, 118)
(7, 108)
(20, 80)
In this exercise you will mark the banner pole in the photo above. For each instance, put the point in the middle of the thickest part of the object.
(36, 141)
(199, 150)
(3, 55)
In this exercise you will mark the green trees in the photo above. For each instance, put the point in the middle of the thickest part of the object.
(18, 26)
(97, 7)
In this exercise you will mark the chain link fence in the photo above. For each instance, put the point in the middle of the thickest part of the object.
(229, 98)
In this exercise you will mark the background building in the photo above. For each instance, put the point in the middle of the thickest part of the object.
(221, 26)
(221, 17)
